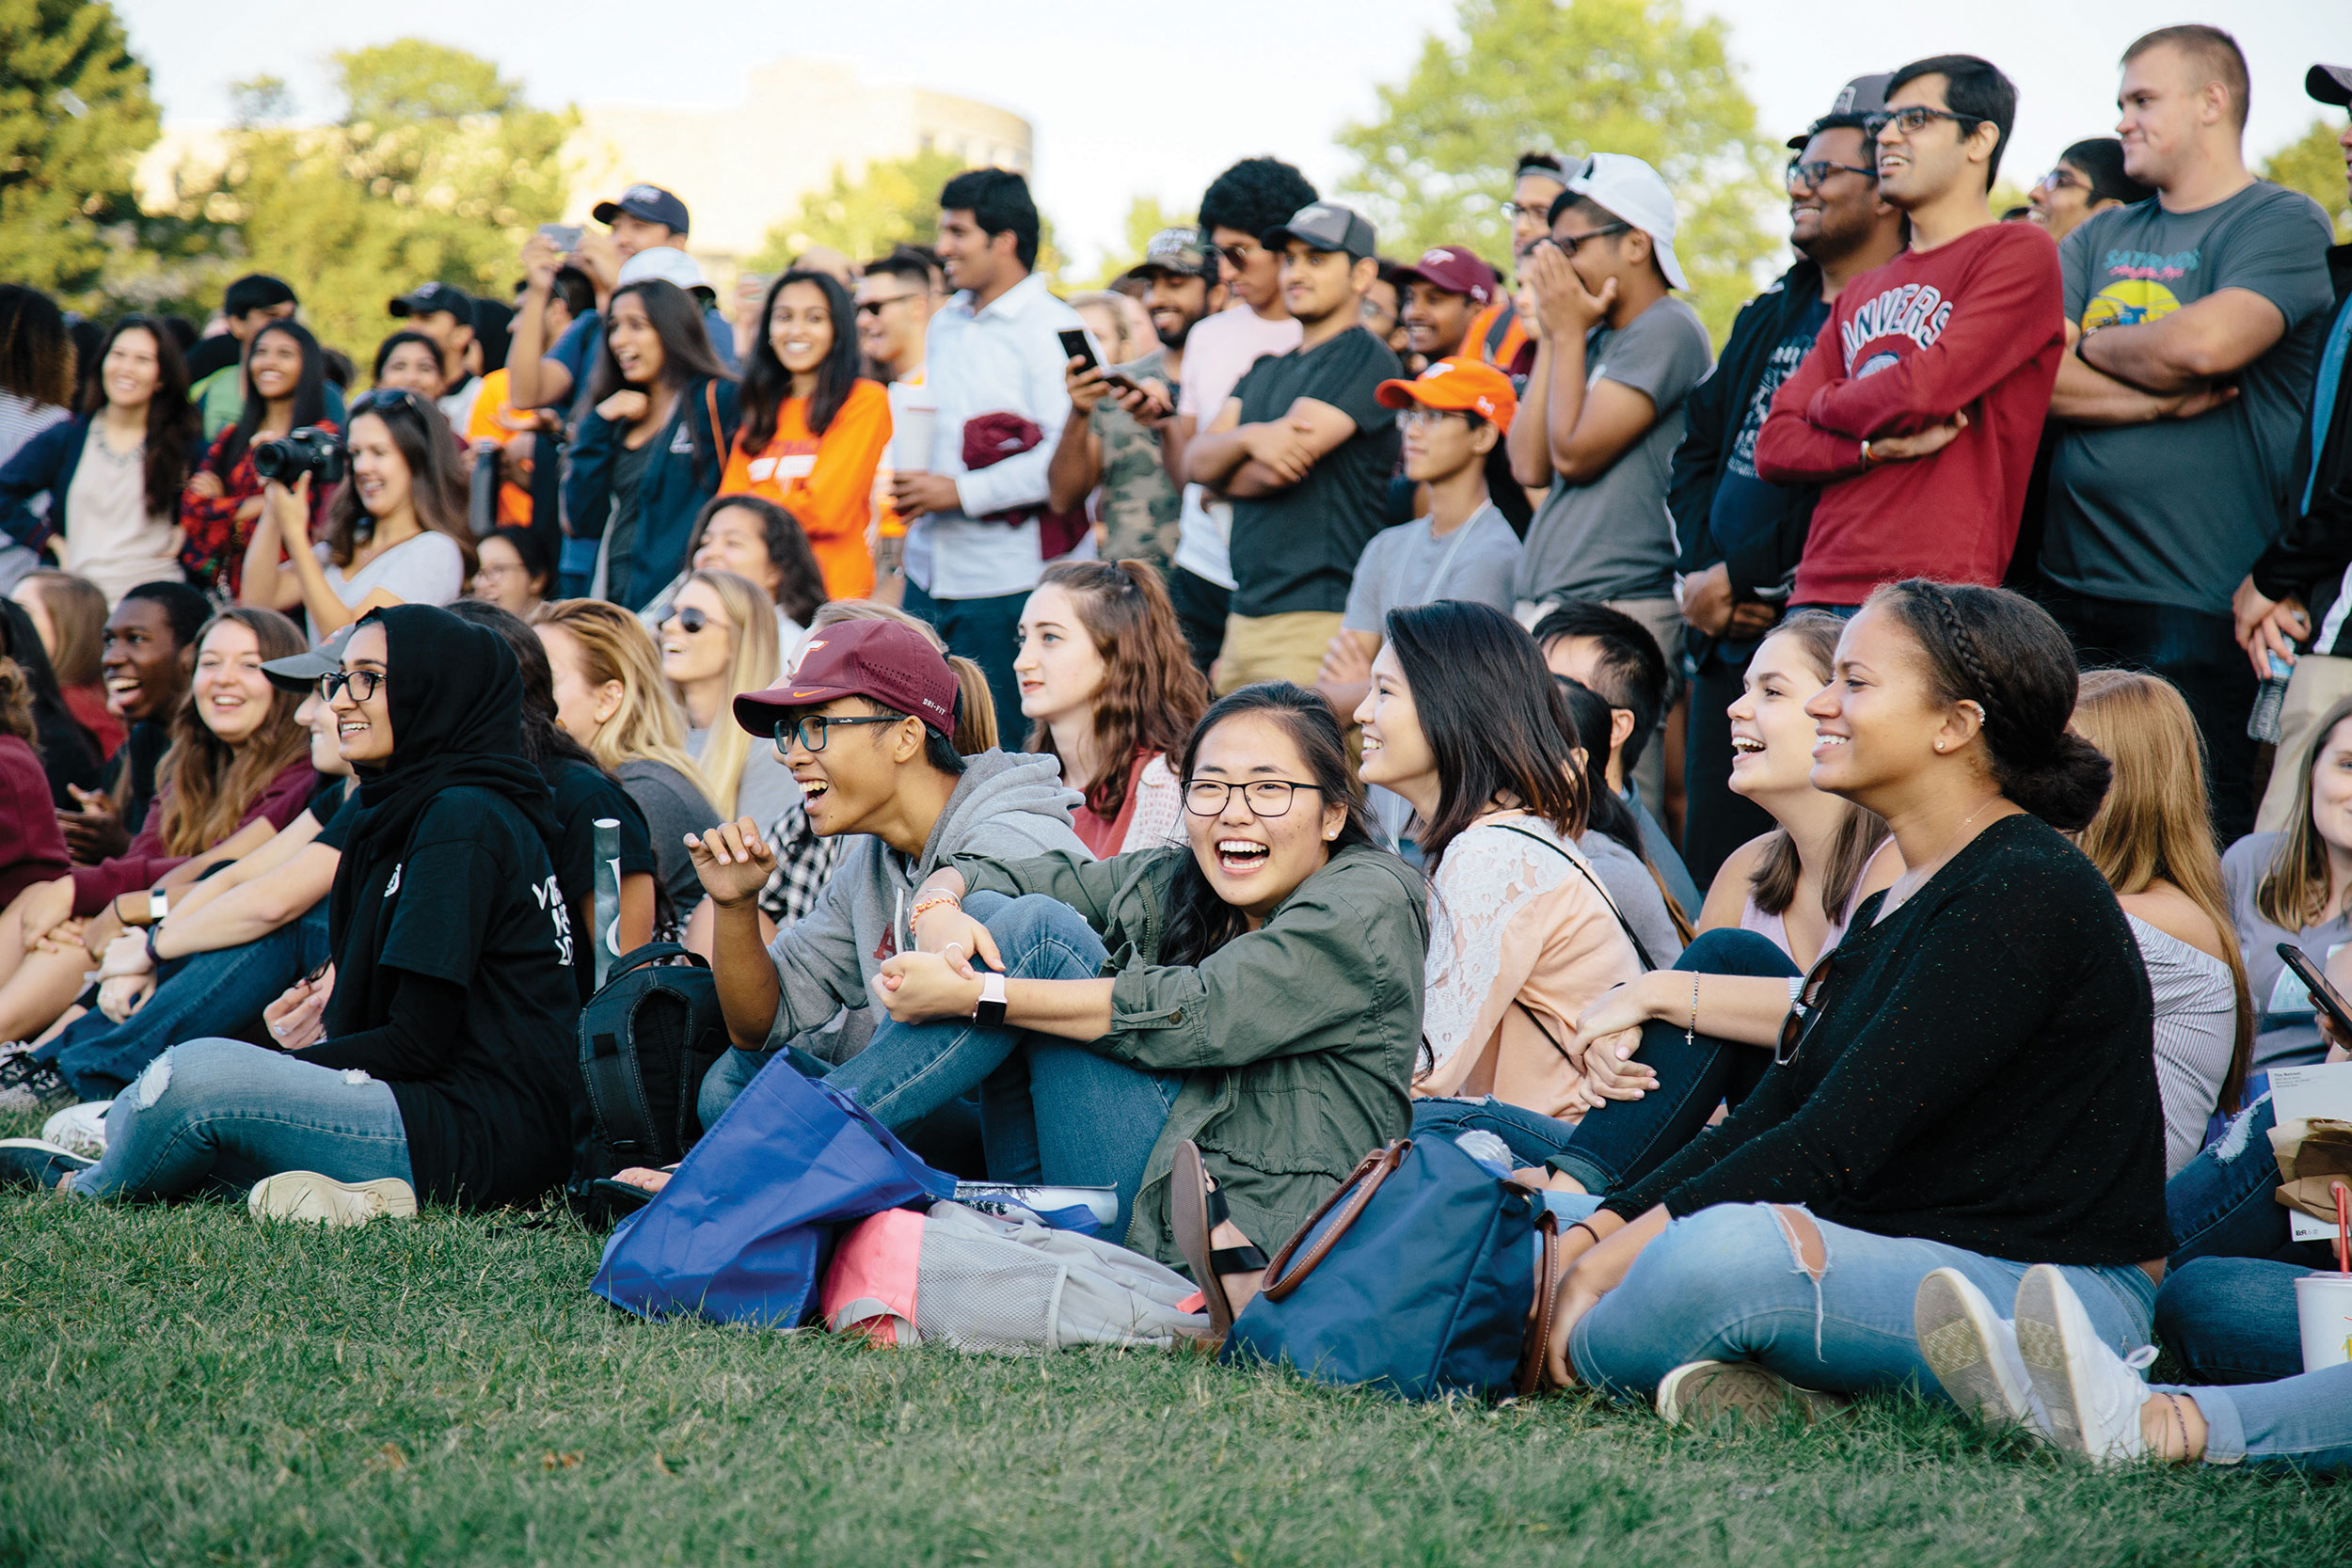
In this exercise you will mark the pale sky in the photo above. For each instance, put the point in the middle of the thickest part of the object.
(1129, 100)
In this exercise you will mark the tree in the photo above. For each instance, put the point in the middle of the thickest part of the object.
(892, 202)
(74, 115)
(1145, 219)
(436, 169)
(2314, 165)
(1609, 75)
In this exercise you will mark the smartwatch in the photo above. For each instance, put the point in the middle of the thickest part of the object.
(989, 1011)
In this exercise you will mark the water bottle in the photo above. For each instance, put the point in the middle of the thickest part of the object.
(2263, 723)
(604, 917)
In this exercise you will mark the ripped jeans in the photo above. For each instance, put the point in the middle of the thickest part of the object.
(1727, 1284)
(217, 1116)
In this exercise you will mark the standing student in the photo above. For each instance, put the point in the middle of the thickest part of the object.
(1110, 692)
(718, 641)
(973, 549)
(412, 361)
(813, 430)
(396, 531)
(444, 317)
(1500, 335)
(70, 615)
(1444, 293)
(2195, 320)
(1303, 450)
(216, 364)
(2088, 179)
(652, 446)
(285, 379)
(896, 298)
(112, 477)
(1113, 437)
(497, 421)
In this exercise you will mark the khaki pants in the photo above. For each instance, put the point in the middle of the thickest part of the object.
(2320, 682)
(1285, 647)
(1662, 621)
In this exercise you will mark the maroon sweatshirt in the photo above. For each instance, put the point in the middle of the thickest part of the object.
(1977, 323)
(31, 845)
(144, 863)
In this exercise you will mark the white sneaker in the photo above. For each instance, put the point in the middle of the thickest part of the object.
(2091, 1395)
(1696, 1392)
(1973, 1351)
(80, 1128)
(305, 1194)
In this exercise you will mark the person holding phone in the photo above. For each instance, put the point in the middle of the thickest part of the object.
(1110, 447)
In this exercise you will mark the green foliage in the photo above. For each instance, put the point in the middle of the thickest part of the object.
(1587, 75)
(74, 115)
(2314, 164)
(436, 169)
(892, 202)
(1145, 219)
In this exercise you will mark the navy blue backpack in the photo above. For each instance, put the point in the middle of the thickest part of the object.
(1415, 1277)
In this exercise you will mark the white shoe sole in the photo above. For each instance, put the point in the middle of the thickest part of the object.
(2049, 1327)
(1698, 1391)
(1961, 1344)
(305, 1194)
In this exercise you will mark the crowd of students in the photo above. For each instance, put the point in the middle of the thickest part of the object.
(1446, 705)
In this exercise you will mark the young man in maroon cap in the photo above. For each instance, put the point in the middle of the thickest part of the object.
(864, 726)
(1444, 292)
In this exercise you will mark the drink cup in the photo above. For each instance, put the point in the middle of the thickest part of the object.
(2323, 1307)
(910, 435)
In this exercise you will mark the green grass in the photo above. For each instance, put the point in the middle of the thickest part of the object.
(178, 1385)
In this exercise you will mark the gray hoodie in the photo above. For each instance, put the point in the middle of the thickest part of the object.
(1011, 805)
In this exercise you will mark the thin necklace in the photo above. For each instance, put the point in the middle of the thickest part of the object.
(1927, 873)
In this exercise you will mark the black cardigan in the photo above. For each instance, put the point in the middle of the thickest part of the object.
(1980, 1072)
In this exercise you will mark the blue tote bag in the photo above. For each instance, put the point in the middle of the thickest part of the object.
(1414, 1278)
(740, 1232)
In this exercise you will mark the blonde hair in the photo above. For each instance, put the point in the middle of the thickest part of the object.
(2153, 826)
(614, 647)
(2298, 890)
(976, 705)
(758, 664)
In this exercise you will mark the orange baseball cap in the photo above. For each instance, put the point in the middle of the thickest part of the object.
(1457, 386)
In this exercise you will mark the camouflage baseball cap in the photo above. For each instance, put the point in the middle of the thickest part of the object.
(1180, 251)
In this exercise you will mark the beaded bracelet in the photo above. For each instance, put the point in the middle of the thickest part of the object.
(932, 902)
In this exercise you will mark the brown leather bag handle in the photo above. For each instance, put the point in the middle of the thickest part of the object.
(1535, 1356)
(1354, 1191)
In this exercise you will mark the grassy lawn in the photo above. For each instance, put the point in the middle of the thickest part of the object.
(178, 1385)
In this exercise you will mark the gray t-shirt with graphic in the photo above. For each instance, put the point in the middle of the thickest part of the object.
(2174, 512)
(1613, 538)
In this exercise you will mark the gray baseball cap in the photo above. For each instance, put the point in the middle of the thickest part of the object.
(301, 671)
(2329, 84)
(1862, 97)
(1325, 226)
(1180, 251)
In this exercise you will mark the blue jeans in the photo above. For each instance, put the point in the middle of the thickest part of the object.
(1624, 1140)
(2298, 1423)
(987, 632)
(218, 1115)
(2220, 1205)
(1725, 1284)
(2232, 1319)
(218, 994)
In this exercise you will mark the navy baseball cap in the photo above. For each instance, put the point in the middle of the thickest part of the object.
(1325, 226)
(650, 202)
(435, 299)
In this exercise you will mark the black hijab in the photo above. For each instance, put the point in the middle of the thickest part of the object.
(68, 754)
(455, 696)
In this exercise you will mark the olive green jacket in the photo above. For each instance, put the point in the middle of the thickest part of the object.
(1296, 1040)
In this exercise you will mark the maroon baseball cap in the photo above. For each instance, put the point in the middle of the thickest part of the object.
(882, 660)
(1455, 270)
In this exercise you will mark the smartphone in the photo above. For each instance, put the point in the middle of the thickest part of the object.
(564, 236)
(2321, 993)
(1074, 346)
(315, 976)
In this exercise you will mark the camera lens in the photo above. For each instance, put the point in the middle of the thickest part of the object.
(272, 459)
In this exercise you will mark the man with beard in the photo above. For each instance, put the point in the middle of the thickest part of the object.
(1740, 534)
(1114, 436)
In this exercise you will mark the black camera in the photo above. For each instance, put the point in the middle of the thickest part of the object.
(307, 450)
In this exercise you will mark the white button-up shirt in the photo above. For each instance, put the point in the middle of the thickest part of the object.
(1002, 358)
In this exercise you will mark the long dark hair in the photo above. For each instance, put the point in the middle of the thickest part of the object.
(411, 335)
(686, 353)
(171, 423)
(1197, 921)
(1591, 733)
(800, 581)
(36, 350)
(309, 394)
(1495, 720)
(421, 435)
(1151, 693)
(767, 383)
(205, 783)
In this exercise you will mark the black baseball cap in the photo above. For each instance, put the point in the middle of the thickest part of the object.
(1325, 226)
(650, 202)
(2329, 84)
(1855, 102)
(435, 299)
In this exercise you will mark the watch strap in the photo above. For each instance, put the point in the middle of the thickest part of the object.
(989, 1012)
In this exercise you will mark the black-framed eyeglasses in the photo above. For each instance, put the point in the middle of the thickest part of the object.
(1566, 244)
(1802, 1012)
(362, 684)
(1808, 174)
(810, 728)
(1913, 119)
(693, 618)
(1265, 798)
(874, 307)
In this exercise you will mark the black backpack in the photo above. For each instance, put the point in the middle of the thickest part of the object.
(646, 1041)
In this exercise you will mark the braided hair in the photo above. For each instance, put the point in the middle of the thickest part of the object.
(2003, 651)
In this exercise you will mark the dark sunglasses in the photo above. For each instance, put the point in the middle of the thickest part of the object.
(1802, 1012)
(874, 307)
(692, 619)
(388, 397)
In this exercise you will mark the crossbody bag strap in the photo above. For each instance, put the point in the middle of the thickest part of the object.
(1640, 951)
(1355, 1192)
(1536, 1355)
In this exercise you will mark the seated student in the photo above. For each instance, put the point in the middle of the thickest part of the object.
(69, 613)
(718, 641)
(1796, 886)
(411, 361)
(2295, 886)
(238, 771)
(69, 758)
(1254, 1035)
(513, 570)
(1110, 692)
(396, 531)
(32, 848)
(2152, 841)
(285, 390)
(875, 758)
(1966, 1081)
(1465, 722)
(610, 697)
(1611, 840)
(754, 538)
(148, 656)
(1614, 654)
(440, 1066)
